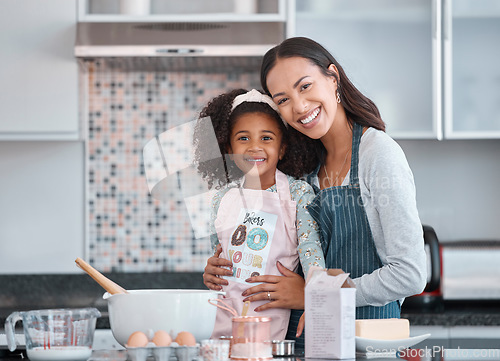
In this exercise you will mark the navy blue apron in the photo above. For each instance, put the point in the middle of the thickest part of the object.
(346, 237)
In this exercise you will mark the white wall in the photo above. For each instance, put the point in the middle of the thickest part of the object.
(41, 206)
(457, 186)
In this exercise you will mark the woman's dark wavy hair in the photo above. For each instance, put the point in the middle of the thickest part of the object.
(358, 108)
(219, 172)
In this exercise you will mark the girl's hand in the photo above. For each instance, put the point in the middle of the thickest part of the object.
(300, 326)
(212, 278)
(285, 291)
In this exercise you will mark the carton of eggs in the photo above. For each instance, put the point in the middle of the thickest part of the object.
(162, 338)
(160, 345)
(138, 339)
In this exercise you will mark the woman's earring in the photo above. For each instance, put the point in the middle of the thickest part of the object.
(338, 97)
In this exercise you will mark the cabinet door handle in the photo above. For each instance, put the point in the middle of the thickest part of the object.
(447, 67)
(179, 51)
(435, 14)
(437, 6)
(447, 19)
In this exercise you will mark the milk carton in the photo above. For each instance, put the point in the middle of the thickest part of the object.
(330, 315)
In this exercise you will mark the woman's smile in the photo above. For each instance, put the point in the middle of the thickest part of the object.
(304, 95)
(308, 118)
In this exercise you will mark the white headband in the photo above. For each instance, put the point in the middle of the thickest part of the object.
(254, 96)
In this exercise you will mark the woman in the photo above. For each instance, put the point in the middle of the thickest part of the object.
(365, 203)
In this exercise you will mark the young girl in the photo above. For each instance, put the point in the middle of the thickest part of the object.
(259, 214)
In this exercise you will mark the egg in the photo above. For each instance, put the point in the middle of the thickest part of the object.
(137, 339)
(185, 338)
(162, 338)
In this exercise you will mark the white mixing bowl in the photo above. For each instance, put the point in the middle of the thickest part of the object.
(170, 310)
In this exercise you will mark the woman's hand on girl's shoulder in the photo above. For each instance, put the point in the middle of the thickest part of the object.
(286, 291)
(214, 270)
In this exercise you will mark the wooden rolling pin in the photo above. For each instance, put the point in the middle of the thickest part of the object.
(105, 282)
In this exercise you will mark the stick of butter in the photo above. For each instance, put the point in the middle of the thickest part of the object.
(383, 329)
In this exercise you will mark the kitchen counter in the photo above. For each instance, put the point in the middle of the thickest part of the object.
(32, 292)
(29, 292)
(456, 313)
(411, 355)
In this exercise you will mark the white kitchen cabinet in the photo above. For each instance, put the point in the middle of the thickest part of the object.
(178, 11)
(38, 72)
(471, 68)
(391, 50)
(42, 207)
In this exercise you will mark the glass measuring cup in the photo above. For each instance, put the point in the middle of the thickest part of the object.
(251, 338)
(55, 334)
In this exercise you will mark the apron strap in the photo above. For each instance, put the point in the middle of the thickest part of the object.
(282, 186)
(357, 132)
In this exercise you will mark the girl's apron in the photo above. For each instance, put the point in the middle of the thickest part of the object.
(256, 228)
(346, 236)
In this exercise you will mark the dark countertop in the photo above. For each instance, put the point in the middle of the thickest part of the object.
(452, 313)
(30, 292)
(33, 292)
(457, 313)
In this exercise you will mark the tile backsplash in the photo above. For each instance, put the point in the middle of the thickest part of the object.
(124, 104)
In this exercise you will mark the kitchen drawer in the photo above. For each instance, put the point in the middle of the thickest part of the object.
(463, 337)
(471, 270)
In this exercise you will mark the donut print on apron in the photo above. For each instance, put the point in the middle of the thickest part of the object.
(256, 228)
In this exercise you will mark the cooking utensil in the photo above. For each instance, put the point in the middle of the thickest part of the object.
(283, 347)
(246, 305)
(253, 342)
(55, 334)
(223, 305)
(244, 312)
(172, 310)
(105, 282)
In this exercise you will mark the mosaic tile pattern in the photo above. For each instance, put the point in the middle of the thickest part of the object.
(126, 103)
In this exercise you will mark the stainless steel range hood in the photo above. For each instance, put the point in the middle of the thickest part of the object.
(186, 39)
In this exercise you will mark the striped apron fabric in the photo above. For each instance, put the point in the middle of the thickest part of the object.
(346, 237)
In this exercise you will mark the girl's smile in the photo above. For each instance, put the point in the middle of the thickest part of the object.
(255, 160)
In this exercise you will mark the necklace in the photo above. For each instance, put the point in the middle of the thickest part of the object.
(338, 173)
